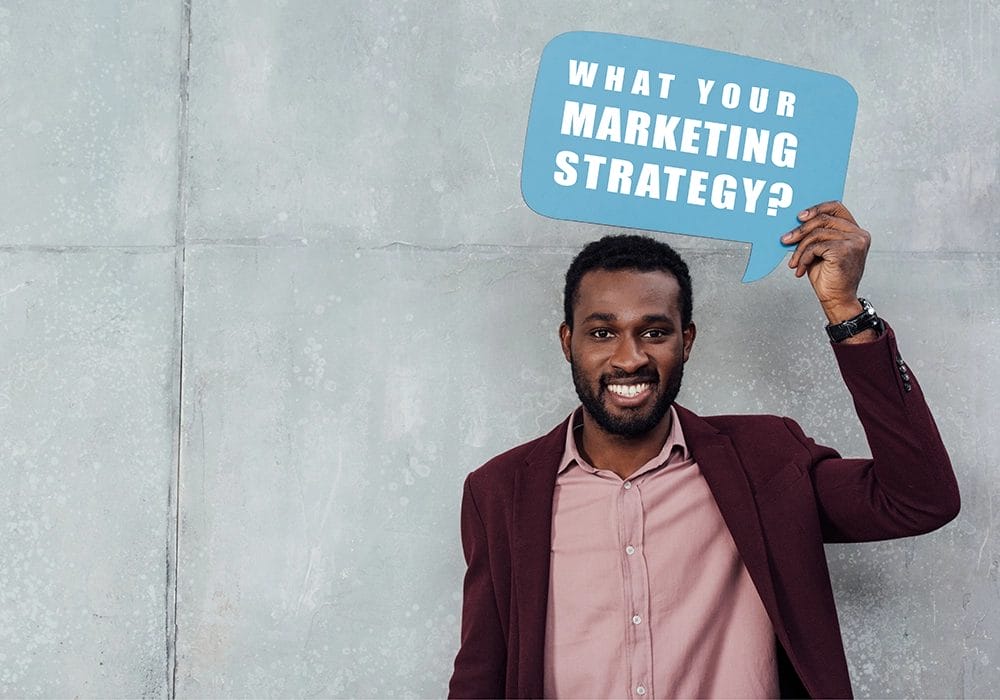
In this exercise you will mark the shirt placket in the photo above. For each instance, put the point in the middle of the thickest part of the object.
(638, 634)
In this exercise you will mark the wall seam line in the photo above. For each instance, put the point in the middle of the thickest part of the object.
(484, 248)
(180, 266)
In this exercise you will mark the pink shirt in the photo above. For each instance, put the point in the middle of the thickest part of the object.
(648, 597)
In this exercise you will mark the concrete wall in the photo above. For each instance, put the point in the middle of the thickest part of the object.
(268, 290)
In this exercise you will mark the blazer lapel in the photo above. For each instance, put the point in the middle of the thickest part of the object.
(723, 471)
(534, 484)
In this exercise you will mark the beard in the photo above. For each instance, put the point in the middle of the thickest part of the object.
(633, 422)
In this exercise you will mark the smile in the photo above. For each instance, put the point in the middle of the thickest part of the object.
(628, 390)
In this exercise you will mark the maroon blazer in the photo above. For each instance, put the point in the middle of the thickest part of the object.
(781, 495)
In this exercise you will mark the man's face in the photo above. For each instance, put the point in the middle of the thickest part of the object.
(627, 348)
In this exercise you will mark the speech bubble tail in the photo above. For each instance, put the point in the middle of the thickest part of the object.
(763, 260)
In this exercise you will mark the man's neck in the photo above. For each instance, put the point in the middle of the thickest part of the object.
(619, 454)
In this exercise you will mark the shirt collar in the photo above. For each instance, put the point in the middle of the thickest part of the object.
(571, 455)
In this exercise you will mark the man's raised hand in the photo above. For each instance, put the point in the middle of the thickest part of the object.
(831, 248)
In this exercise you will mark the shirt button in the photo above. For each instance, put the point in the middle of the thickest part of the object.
(636, 619)
(641, 690)
(628, 484)
(630, 550)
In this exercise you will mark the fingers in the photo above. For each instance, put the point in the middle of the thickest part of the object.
(833, 208)
(817, 245)
(816, 217)
(828, 231)
(823, 227)
(829, 244)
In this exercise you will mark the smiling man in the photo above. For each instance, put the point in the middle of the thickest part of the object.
(641, 551)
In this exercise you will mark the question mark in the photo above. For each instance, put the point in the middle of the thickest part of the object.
(781, 197)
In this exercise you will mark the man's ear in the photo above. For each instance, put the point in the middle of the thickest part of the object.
(564, 337)
(689, 333)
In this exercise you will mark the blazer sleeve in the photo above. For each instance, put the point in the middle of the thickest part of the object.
(908, 486)
(480, 665)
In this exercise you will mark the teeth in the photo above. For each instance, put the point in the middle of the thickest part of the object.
(628, 390)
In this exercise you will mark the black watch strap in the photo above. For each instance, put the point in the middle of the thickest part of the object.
(852, 326)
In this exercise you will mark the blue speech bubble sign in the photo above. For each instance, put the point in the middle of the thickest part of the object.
(666, 137)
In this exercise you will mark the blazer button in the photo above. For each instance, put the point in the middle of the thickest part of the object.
(907, 386)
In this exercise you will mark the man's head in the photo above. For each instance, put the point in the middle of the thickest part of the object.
(628, 331)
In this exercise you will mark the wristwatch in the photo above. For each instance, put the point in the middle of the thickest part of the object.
(852, 326)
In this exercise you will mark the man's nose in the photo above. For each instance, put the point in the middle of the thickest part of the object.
(628, 356)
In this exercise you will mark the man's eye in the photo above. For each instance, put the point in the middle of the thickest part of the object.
(655, 333)
(601, 333)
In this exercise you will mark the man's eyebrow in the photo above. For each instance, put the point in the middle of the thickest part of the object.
(607, 317)
(657, 318)
(601, 316)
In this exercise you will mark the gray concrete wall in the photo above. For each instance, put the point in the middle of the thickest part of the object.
(268, 290)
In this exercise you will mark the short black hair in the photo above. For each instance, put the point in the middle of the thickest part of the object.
(627, 252)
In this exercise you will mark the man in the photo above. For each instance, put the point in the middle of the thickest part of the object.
(641, 551)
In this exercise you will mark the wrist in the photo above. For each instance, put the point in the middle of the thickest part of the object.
(862, 327)
(841, 310)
